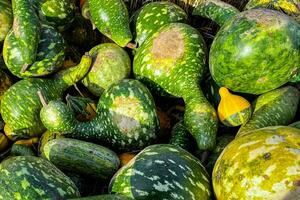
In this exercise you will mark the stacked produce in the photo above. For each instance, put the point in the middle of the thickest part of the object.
(138, 99)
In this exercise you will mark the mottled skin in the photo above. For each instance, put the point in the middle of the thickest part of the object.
(155, 15)
(20, 105)
(28, 177)
(173, 61)
(110, 64)
(112, 19)
(254, 51)
(21, 150)
(105, 197)
(162, 172)
(81, 157)
(126, 118)
(277, 107)
(6, 18)
(261, 165)
(180, 136)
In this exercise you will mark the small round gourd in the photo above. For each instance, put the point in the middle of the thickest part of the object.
(233, 110)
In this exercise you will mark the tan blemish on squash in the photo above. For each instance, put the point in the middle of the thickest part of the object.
(16, 28)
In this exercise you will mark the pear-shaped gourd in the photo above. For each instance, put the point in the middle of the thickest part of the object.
(126, 118)
(255, 51)
(172, 61)
(6, 18)
(112, 19)
(233, 110)
(20, 105)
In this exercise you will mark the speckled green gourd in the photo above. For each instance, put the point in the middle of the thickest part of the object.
(255, 51)
(110, 64)
(162, 172)
(21, 150)
(20, 105)
(81, 157)
(154, 15)
(29, 177)
(6, 18)
(126, 118)
(173, 60)
(105, 197)
(180, 136)
(277, 107)
(260, 165)
(112, 19)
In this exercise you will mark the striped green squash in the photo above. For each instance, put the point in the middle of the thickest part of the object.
(6, 18)
(29, 177)
(162, 172)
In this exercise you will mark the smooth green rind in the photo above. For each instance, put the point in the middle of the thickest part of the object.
(105, 197)
(216, 10)
(81, 157)
(173, 61)
(180, 136)
(260, 165)
(21, 150)
(6, 18)
(295, 125)
(290, 7)
(256, 51)
(154, 15)
(277, 107)
(20, 105)
(110, 64)
(28, 177)
(112, 19)
(239, 118)
(126, 118)
(162, 172)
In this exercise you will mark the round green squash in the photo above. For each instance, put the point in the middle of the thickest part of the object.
(264, 164)
(6, 18)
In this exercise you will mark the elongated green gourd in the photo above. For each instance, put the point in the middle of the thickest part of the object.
(172, 61)
(20, 105)
(126, 118)
(6, 18)
(255, 51)
(274, 108)
(112, 19)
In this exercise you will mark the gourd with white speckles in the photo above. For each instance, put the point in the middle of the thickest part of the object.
(255, 51)
(126, 118)
(180, 136)
(110, 64)
(105, 197)
(6, 18)
(162, 172)
(172, 61)
(112, 19)
(155, 15)
(29, 177)
(277, 107)
(261, 165)
(20, 105)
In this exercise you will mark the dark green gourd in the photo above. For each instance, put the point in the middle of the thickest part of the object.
(29, 177)
(6, 18)
(112, 19)
(105, 197)
(172, 60)
(162, 172)
(154, 15)
(126, 118)
(20, 105)
(111, 64)
(180, 136)
(255, 51)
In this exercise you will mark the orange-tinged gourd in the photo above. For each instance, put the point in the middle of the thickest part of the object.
(125, 158)
(233, 110)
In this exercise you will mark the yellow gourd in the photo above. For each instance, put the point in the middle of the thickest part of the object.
(233, 110)
(4, 142)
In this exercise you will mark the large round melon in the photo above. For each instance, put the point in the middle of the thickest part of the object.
(262, 165)
(256, 51)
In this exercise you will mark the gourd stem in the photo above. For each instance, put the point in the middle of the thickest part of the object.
(42, 98)
(131, 45)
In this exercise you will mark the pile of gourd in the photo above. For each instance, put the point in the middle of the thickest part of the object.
(181, 114)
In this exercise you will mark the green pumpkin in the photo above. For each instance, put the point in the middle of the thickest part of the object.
(172, 61)
(255, 51)
(261, 165)
(6, 18)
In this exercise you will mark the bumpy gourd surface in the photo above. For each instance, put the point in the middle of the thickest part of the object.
(6, 18)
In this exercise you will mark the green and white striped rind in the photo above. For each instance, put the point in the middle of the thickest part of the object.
(261, 165)
(105, 197)
(28, 177)
(81, 157)
(239, 118)
(111, 64)
(6, 18)
(155, 15)
(162, 172)
(290, 7)
(274, 108)
(173, 61)
(256, 51)
(112, 19)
